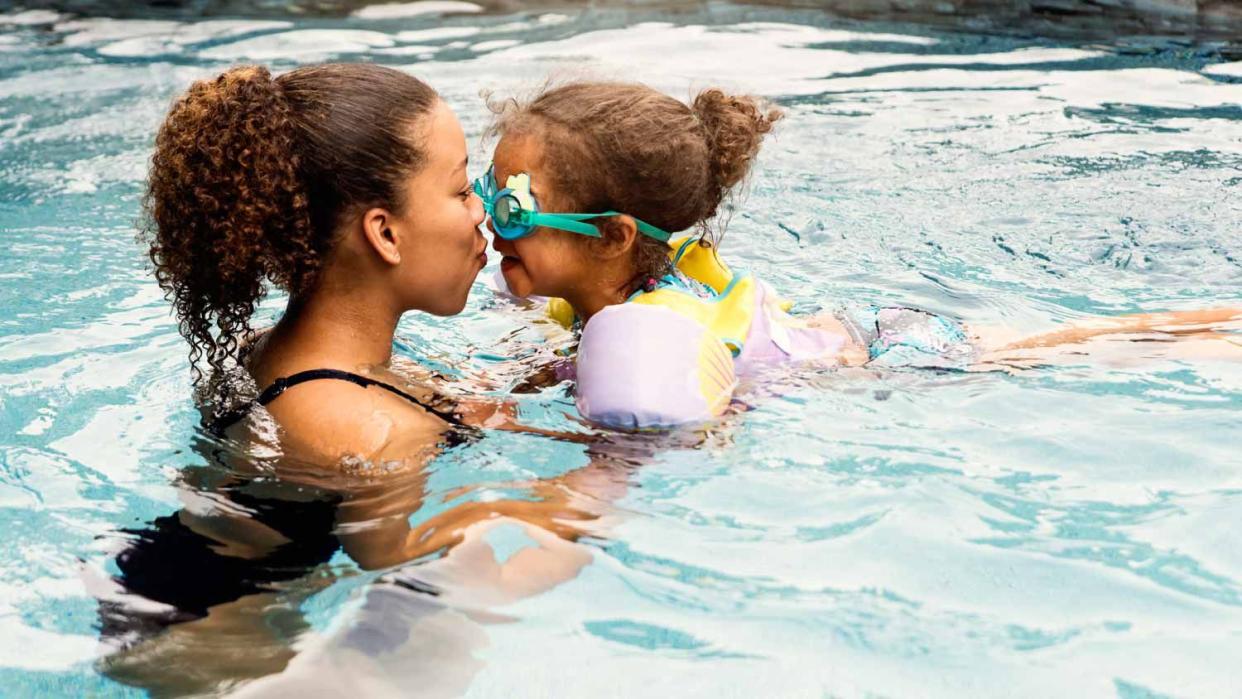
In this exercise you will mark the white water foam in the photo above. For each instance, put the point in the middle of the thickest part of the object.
(417, 35)
(414, 9)
(1231, 70)
(302, 44)
(30, 18)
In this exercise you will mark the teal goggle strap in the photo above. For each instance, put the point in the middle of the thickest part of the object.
(521, 217)
(573, 223)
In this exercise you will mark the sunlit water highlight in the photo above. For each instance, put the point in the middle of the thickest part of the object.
(1073, 530)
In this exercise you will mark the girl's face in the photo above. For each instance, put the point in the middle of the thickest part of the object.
(445, 246)
(547, 262)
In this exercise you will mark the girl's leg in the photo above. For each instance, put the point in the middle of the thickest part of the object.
(1209, 329)
(1178, 324)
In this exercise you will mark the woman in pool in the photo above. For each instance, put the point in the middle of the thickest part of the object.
(344, 185)
(665, 325)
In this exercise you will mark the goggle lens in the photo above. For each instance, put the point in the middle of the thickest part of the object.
(502, 212)
(506, 216)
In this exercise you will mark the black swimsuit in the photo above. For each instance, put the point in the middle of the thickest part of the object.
(458, 433)
(169, 562)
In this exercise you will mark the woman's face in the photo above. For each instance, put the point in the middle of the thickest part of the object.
(445, 250)
(547, 262)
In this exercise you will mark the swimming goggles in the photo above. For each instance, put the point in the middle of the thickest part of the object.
(515, 214)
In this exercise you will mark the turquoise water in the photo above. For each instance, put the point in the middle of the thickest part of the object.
(1075, 529)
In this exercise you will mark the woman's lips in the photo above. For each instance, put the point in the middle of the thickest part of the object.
(482, 254)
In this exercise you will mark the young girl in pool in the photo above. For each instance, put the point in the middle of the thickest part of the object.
(665, 325)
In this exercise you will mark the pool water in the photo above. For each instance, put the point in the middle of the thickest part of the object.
(1074, 529)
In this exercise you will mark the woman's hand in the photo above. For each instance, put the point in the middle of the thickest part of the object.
(555, 510)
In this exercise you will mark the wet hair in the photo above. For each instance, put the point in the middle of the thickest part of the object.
(630, 148)
(252, 177)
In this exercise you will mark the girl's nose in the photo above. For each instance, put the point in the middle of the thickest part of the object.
(477, 210)
(497, 241)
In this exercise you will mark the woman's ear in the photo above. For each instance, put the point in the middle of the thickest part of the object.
(619, 235)
(379, 230)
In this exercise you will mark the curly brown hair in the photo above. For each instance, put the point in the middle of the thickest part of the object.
(252, 177)
(627, 147)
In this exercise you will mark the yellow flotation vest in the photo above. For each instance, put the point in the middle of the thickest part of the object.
(727, 316)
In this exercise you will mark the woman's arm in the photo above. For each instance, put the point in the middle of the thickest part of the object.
(373, 521)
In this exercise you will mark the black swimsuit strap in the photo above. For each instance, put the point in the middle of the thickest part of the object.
(284, 383)
(461, 431)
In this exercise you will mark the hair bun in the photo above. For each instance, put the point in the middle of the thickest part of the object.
(734, 126)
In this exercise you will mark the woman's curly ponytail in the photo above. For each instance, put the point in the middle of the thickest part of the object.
(224, 200)
(250, 178)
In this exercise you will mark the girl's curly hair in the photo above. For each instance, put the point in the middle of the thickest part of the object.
(627, 147)
(252, 176)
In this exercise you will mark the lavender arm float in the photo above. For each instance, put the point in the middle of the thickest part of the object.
(647, 366)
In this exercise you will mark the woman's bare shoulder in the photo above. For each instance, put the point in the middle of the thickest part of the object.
(333, 420)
